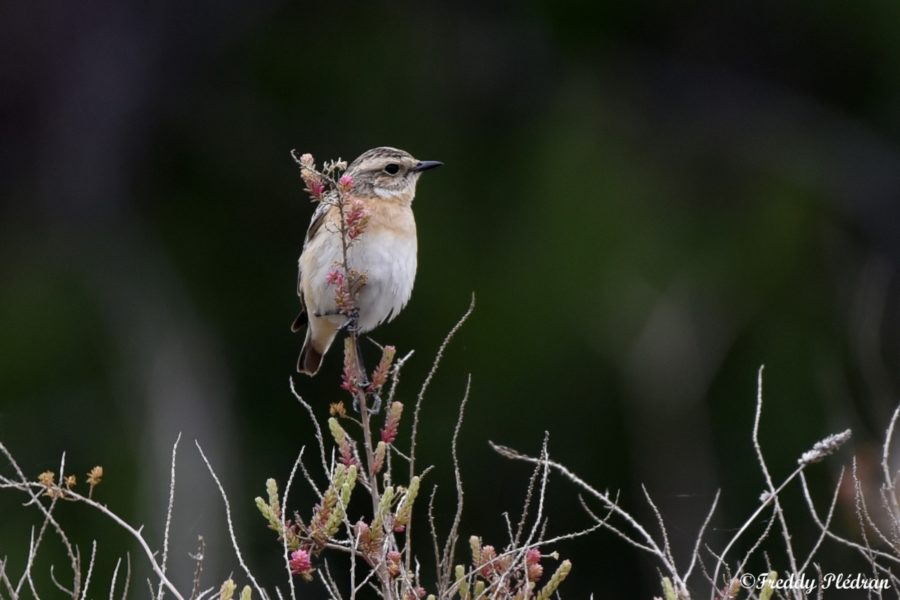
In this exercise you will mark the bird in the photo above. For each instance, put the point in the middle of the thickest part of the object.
(383, 181)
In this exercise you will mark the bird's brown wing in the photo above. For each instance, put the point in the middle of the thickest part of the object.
(315, 224)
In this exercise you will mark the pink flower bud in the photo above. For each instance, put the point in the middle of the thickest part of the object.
(392, 423)
(416, 594)
(488, 554)
(362, 528)
(535, 571)
(316, 188)
(300, 563)
(335, 277)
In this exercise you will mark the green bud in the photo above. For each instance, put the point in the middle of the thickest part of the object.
(404, 513)
(475, 546)
(460, 572)
(272, 490)
(562, 571)
(766, 592)
(337, 432)
(227, 591)
(479, 589)
(668, 589)
(384, 508)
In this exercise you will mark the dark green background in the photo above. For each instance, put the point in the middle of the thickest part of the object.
(648, 200)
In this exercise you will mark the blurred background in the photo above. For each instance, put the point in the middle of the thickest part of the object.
(649, 201)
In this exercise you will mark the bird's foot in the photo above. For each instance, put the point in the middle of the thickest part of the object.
(376, 403)
(375, 407)
(352, 324)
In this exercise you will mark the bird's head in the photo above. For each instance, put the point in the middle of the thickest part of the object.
(387, 173)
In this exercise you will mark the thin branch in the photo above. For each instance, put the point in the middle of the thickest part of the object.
(5, 579)
(319, 438)
(434, 540)
(415, 425)
(864, 509)
(545, 460)
(115, 575)
(759, 540)
(127, 575)
(395, 375)
(26, 575)
(26, 486)
(284, 508)
(336, 591)
(828, 518)
(356, 536)
(650, 544)
(169, 507)
(662, 524)
(434, 367)
(696, 553)
(770, 485)
(363, 583)
(135, 533)
(526, 505)
(885, 461)
(234, 543)
(90, 570)
(450, 543)
(198, 567)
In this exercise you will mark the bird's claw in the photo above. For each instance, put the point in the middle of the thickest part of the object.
(376, 400)
(376, 403)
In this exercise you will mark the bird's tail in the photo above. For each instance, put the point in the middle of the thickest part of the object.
(310, 360)
(313, 352)
(300, 322)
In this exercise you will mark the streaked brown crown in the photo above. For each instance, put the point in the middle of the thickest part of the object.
(379, 156)
(385, 172)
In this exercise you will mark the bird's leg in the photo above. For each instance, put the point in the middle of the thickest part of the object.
(375, 408)
(364, 380)
(352, 326)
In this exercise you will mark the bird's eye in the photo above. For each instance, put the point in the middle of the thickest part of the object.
(392, 169)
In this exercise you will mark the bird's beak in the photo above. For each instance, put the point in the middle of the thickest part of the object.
(424, 165)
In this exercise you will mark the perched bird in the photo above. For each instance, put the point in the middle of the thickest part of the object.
(383, 182)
